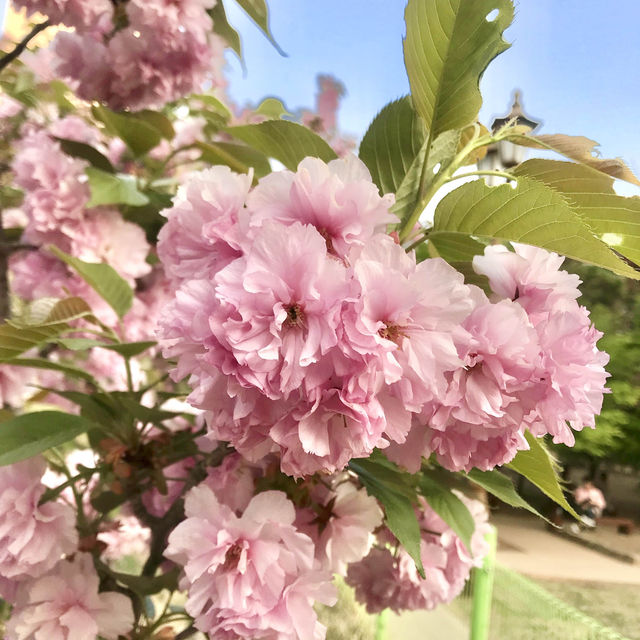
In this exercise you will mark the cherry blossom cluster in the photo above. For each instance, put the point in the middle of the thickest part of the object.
(387, 577)
(307, 331)
(133, 54)
(52, 595)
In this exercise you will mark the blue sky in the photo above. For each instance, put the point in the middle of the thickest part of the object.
(576, 61)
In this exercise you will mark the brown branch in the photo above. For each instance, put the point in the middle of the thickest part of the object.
(22, 45)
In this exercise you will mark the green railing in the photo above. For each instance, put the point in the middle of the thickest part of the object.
(504, 605)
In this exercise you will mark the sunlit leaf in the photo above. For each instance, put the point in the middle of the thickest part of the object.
(529, 212)
(104, 279)
(391, 144)
(272, 108)
(285, 141)
(501, 487)
(258, 11)
(222, 27)
(449, 44)
(237, 157)
(537, 466)
(582, 150)
(27, 435)
(108, 188)
(613, 218)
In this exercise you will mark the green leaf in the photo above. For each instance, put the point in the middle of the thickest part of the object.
(285, 141)
(530, 213)
(501, 487)
(216, 106)
(148, 585)
(103, 279)
(157, 120)
(148, 216)
(395, 493)
(391, 144)
(449, 44)
(10, 197)
(449, 507)
(272, 108)
(17, 340)
(27, 435)
(52, 311)
(257, 10)
(137, 133)
(537, 466)
(41, 363)
(129, 349)
(581, 150)
(108, 501)
(443, 149)
(613, 218)
(456, 247)
(108, 188)
(237, 157)
(222, 27)
(86, 152)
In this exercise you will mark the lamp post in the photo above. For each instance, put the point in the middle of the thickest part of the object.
(504, 154)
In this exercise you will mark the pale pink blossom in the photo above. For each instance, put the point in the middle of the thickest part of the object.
(15, 385)
(348, 534)
(125, 537)
(385, 579)
(32, 538)
(280, 307)
(233, 482)
(73, 13)
(203, 233)
(338, 198)
(65, 605)
(250, 576)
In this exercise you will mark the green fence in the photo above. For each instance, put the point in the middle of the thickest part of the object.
(504, 605)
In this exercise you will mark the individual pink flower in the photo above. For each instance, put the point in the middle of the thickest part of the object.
(250, 576)
(338, 198)
(125, 537)
(65, 605)
(280, 308)
(348, 533)
(570, 379)
(33, 538)
(530, 275)
(408, 326)
(233, 482)
(203, 234)
(481, 421)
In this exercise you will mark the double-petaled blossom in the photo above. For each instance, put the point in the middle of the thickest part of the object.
(33, 537)
(570, 378)
(147, 53)
(65, 605)
(249, 576)
(390, 579)
(338, 199)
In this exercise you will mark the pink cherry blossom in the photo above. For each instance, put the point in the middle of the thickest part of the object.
(385, 579)
(72, 13)
(32, 538)
(203, 233)
(338, 198)
(65, 605)
(125, 537)
(250, 576)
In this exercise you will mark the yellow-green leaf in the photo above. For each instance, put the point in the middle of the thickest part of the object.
(527, 212)
(449, 44)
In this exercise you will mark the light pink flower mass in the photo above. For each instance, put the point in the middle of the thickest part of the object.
(32, 538)
(251, 576)
(65, 605)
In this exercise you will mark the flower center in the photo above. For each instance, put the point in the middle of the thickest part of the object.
(295, 315)
(390, 331)
(232, 557)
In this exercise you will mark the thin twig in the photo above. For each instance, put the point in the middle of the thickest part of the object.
(22, 45)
